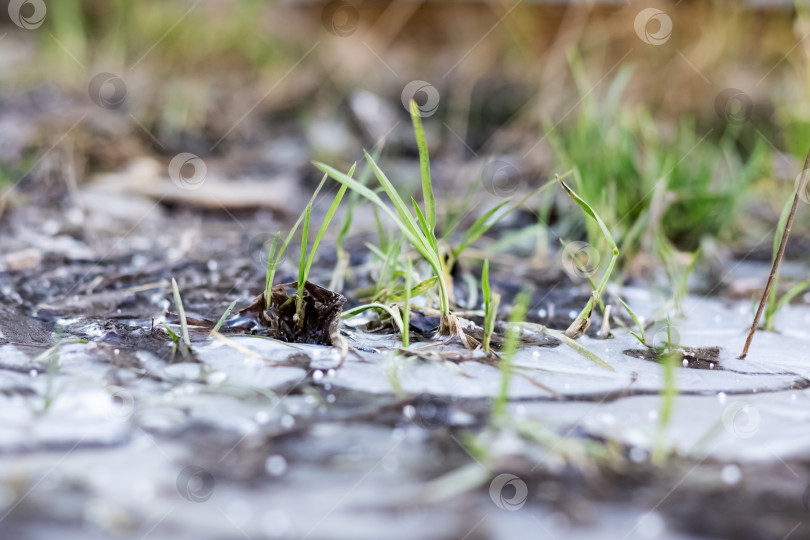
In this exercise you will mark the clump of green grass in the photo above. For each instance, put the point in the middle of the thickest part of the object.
(417, 227)
(276, 253)
(305, 263)
(342, 265)
(274, 256)
(620, 159)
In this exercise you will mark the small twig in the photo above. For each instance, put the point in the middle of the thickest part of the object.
(779, 256)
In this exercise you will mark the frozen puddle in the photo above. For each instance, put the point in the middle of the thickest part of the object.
(259, 439)
(776, 362)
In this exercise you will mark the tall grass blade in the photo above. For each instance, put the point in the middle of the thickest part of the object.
(181, 313)
(424, 165)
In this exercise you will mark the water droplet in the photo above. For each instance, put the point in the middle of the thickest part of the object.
(638, 455)
(275, 465)
(721, 397)
(651, 525)
(731, 474)
(409, 411)
(317, 375)
(287, 421)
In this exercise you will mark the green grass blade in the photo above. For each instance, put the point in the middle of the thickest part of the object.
(578, 348)
(400, 293)
(489, 312)
(389, 268)
(614, 258)
(791, 294)
(477, 229)
(639, 337)
(393, 311)
(181, 313)
(299, 296)
(406, 313)
(780, 226)
(404, 214)
(424, 164)
(425, 228)
(268, 285)
(304, 241)
(407, 224)
(171, 333)
(363, 179)
(326, 220)
(510, 346)
(290, 235)
(224, 317)
(590, 211)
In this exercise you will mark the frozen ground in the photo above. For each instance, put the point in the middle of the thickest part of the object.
(112, 441)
